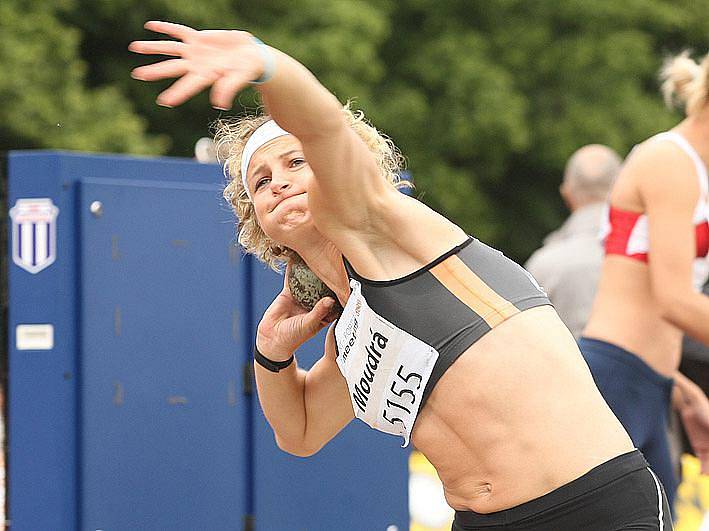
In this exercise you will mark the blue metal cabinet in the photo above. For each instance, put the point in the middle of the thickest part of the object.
(136, 417)
(131, 319)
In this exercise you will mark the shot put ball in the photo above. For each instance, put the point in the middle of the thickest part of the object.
(307, 288)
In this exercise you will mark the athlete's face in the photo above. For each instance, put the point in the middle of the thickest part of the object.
(277, 178)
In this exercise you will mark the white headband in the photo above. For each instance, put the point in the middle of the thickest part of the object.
(263, 135)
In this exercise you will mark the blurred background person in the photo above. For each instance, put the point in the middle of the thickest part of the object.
(656, 243)
(695, 358)
(568, 265)
(694, 365)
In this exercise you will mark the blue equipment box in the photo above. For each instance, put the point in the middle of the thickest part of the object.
(131, 315)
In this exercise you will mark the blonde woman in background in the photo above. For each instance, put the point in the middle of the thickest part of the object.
(442, 340)
(656, 244)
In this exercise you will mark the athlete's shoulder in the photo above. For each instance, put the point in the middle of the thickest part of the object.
(658, 166)
(658, 155)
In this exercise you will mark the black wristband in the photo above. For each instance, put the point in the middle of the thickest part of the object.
(273, 366)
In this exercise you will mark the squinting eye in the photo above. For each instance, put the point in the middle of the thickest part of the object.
(262, 181)
(296, 162)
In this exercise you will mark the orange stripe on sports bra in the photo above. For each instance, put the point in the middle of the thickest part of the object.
(472, 291)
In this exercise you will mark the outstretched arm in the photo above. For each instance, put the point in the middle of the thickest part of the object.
(347, 177)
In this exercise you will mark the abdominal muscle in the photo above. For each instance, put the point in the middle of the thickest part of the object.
(516, 416)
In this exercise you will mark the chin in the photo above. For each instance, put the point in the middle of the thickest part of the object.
(291, 224)
(294, 217)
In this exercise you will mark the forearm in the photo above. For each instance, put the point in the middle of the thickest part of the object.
(680, 382)
(690, 313)
(281, 396)
(297, 100)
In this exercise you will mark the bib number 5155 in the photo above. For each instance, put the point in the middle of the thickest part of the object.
(402, 397)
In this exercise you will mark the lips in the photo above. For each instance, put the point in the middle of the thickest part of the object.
(284, 198)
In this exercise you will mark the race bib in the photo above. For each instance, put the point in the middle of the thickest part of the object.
(385, 367)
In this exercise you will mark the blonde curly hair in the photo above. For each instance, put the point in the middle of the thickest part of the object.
(230, 137)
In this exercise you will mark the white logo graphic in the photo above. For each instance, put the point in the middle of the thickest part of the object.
(34, 233)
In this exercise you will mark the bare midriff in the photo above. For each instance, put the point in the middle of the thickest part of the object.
(516, 416)
(626, 314)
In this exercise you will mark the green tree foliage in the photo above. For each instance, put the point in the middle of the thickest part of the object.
(44, 98)
(506, 90)
(486, 98)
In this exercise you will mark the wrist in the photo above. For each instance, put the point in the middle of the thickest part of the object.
(271, 364)
(272, 350)
(269, 62)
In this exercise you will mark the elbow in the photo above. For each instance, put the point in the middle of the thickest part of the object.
(300, 449)
(303, 452)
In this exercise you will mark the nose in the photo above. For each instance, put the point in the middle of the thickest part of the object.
(279, 182)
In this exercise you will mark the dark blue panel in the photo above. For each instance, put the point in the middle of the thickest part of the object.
(42, 393)
(143, 311)
(358, 482)
(164, 426)
(74, 166)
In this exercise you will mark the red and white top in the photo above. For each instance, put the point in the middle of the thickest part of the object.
(626, 233)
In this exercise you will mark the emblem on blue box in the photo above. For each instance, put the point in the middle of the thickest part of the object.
(34, 233)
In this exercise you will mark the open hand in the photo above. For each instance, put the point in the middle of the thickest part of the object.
(223, 59)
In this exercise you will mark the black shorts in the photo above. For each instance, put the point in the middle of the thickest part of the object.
(619, 494)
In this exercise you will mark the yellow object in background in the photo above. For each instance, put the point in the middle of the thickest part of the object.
(692, 504)
(427, 505)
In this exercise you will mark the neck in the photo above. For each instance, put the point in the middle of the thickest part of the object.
(325, 260)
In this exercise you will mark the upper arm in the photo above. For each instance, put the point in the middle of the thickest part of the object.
(669, 190)
(348, 185)
(327, 403)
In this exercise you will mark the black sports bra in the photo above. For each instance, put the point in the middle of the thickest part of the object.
(396, 338)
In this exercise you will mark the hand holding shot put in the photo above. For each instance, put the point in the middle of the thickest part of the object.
(442, 340)
(289, 322)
